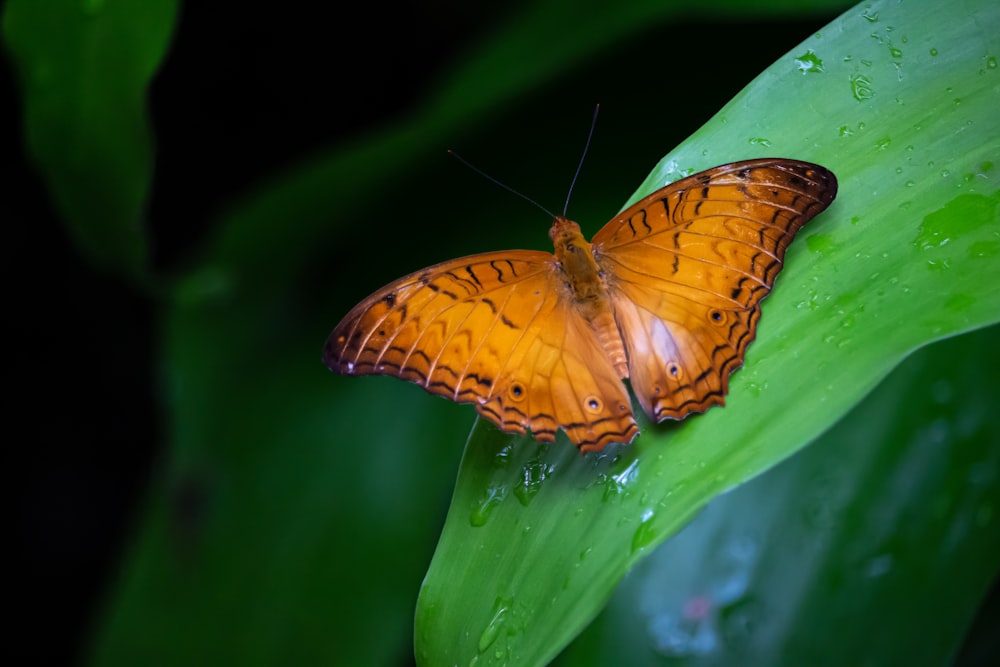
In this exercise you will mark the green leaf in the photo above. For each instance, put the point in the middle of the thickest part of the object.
(850, 548)
(84, 69)
(900, 102)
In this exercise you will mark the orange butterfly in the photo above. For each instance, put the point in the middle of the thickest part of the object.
(667, 295)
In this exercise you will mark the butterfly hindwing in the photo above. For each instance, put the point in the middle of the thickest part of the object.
(681, 354)
(557, 376)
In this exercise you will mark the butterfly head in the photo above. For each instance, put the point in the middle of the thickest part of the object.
(563, 229)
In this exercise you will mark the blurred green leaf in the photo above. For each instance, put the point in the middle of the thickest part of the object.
(84, 68)
(900, 102)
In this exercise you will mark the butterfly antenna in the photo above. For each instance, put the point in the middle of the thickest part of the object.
(495, 181)
(579, 166)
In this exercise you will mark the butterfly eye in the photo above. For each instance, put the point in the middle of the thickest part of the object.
(516, 391)
(673, 370)
(594, 404)
(717, 317)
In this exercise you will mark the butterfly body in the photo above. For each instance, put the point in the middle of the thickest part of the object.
(667, 294)
(586, 286)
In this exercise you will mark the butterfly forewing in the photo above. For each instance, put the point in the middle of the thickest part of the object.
(495, 330)
(430, 326)
(687, 267)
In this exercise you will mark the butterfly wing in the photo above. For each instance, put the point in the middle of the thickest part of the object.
(687, 267)
(495, 330)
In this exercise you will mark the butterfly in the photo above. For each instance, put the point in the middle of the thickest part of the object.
(667, 295)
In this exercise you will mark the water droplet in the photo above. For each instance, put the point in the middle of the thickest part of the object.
(809, 62)
(532, 476)
(616, 485)
(861, 87)
(503, 456)
(896, 53)
(501, 609)
(845, 131)
(933, 52)
(883, 143)
(645, 534)
(870, 16)
(760, 141)
(959, 217)
(492, 496)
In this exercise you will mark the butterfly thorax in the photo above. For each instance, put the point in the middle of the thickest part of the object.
(579, 268)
